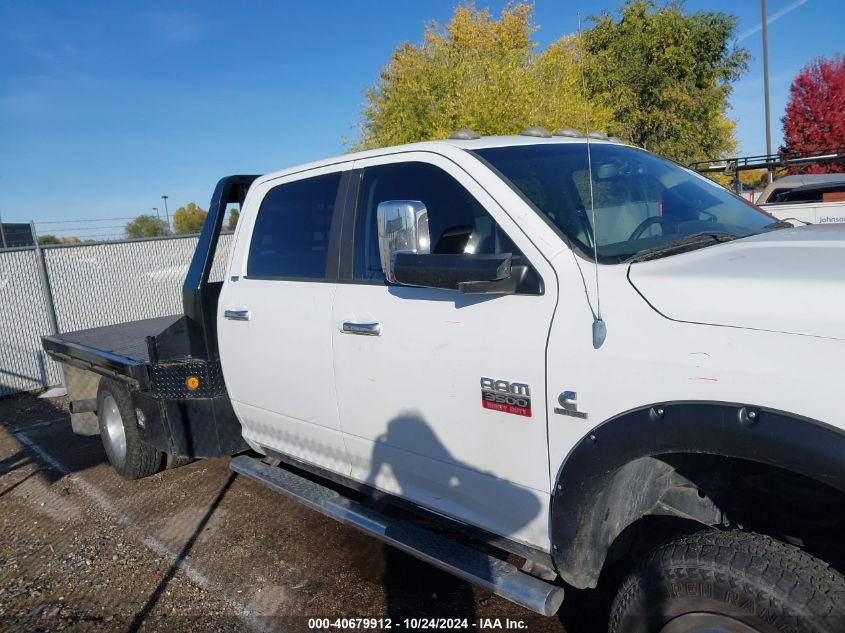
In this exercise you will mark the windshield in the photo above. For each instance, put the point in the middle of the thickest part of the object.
(642, 202)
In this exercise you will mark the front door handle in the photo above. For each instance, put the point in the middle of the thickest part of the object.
(364, 329)
(237, 315)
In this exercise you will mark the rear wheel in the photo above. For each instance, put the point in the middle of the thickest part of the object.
(128, 453)
(736, 582)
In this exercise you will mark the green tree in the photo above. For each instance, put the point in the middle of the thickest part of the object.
(666, 75)
(188, 219)
(748, 177)
(145, 226)
(234, 216)
(44, 240)
(477, 72)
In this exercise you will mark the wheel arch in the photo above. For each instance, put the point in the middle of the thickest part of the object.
(662, 459)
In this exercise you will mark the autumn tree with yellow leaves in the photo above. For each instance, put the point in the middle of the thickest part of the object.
(480, 73)
(189, 219)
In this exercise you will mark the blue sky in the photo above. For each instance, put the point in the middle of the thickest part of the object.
(104, 106)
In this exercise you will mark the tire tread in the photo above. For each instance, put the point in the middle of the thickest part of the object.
(773, 571)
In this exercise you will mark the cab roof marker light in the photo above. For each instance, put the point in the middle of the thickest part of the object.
(569, 132)
(537, 131)
(465, 134)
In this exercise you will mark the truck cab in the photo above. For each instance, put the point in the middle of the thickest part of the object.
(577, 350)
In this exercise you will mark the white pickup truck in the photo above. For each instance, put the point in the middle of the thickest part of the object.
(598, 366)
(806, 198)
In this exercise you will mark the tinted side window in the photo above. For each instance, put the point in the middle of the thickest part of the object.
(291, 235)
(456, 220)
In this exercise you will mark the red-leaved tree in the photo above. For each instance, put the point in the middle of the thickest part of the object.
(815, 114)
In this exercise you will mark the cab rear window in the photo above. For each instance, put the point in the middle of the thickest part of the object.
(291, 234)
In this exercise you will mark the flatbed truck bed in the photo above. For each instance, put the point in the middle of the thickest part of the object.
(169, 364)
(120, 349)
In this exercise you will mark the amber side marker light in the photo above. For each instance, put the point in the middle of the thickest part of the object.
(192, 382)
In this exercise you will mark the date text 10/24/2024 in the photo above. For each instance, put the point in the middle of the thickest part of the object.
(415, 624)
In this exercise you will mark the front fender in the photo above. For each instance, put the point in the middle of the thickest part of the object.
(610, 479)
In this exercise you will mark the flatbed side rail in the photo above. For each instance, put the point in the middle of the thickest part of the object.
(96, 360)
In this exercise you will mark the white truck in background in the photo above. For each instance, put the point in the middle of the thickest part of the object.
(808, 198)
(599, 367)
(803, 198)
(808, 212)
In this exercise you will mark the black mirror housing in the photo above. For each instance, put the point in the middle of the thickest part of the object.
(468, 273)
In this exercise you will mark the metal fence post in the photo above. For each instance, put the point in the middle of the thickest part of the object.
(47, 294)
(44, 277)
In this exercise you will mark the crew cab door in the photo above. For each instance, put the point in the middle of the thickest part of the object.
(410, 362)
(275, 318)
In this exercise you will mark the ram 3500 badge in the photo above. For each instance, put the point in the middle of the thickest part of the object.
(507, 397)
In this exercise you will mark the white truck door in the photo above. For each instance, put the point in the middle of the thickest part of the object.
(410, 362)
(274, 321)
(808, 212)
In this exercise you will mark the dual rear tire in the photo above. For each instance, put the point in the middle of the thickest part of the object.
(127, 451)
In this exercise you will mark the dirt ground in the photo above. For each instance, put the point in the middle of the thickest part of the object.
(197, 548)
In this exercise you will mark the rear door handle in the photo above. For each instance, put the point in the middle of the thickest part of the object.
(237, 315)
(364, 329)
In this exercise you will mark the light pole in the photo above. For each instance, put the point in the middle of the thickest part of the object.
(766, 84)
(166, 212)
(158, 215)
(2, 234)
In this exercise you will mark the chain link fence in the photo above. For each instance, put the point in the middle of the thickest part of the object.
(23, 319)
(88, 285)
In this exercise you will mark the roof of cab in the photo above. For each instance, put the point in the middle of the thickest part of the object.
(432, 146)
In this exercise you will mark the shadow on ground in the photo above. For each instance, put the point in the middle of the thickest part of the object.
(46, 421)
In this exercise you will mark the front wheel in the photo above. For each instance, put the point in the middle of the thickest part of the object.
(128, 453)
(732, 582)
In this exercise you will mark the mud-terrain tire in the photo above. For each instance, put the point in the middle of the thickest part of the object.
(732, 581)
(128, 453)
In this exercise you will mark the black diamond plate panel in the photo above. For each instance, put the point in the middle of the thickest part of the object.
(170, 379)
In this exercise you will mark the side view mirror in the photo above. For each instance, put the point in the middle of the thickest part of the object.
(406, 258)
(468, 273)
(402, 228)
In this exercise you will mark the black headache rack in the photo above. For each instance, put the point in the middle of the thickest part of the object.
(172, 364)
